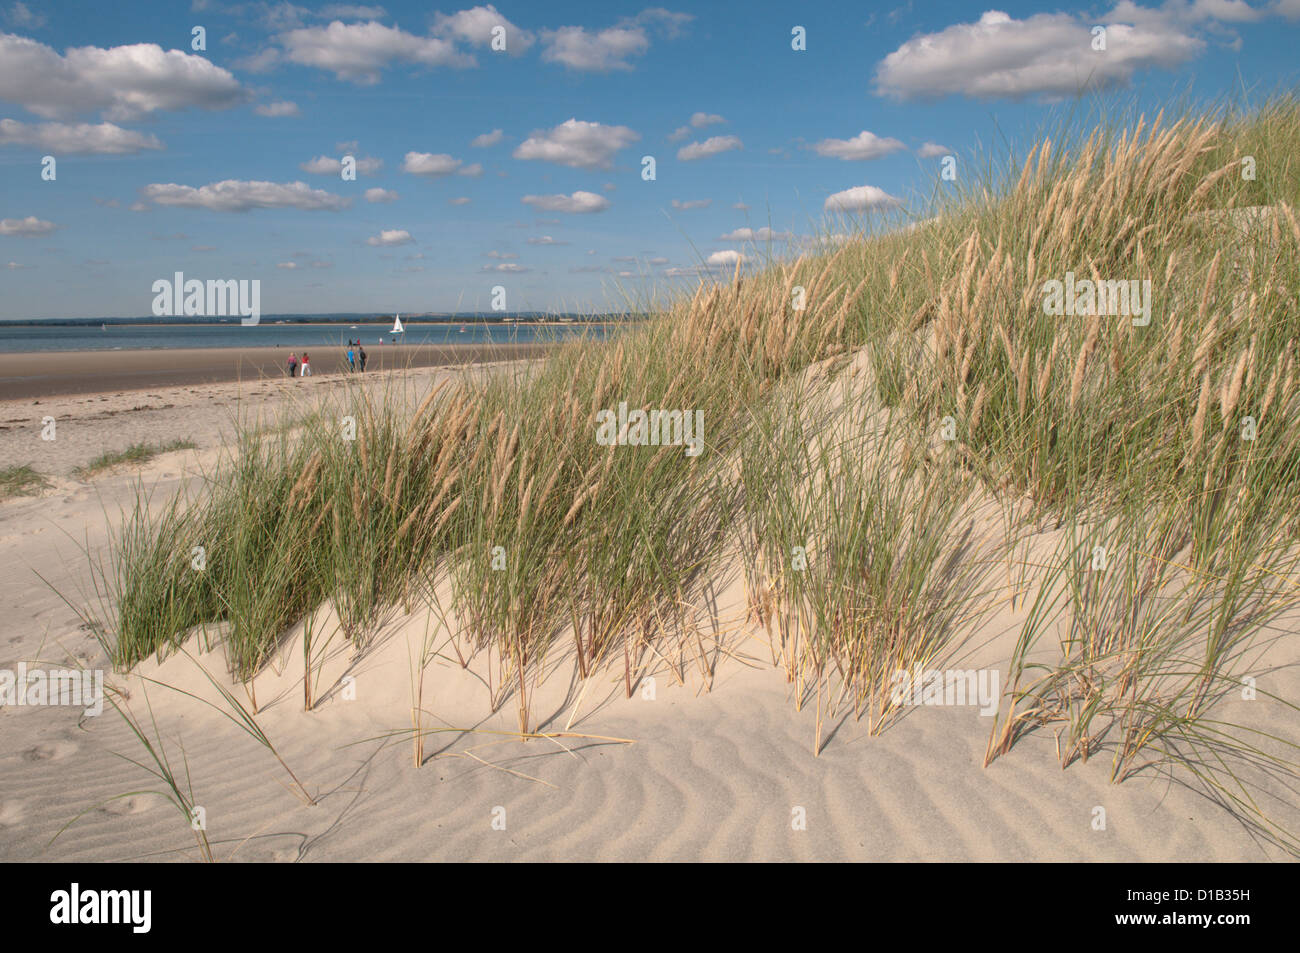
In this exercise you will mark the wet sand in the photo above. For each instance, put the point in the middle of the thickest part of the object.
(50, 374)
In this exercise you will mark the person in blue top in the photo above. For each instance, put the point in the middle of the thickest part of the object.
(352, 364)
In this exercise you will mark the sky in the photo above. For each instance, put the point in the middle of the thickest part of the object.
(218, 152)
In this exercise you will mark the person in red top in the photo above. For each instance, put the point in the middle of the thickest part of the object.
(306, 365)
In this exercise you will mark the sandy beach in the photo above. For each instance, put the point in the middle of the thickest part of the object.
(47, 374)
(714, 763)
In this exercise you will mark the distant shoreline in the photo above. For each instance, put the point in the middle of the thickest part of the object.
(38, 374)
(360, 320)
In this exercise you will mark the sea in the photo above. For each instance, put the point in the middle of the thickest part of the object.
(291, 331)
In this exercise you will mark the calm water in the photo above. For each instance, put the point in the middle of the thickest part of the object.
(267, 334)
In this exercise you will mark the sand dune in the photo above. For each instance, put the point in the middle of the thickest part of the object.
(721, 774)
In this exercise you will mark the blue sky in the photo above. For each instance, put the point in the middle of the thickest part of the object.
(223, 162)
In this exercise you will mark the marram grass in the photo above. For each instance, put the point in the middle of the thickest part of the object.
(1169, 442)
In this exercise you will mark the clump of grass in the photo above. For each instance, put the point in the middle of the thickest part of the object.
(860, 552)
(21, 480)
(1148, 645)
(136, 453)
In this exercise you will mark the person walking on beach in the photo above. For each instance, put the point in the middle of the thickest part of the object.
(352, 366)
(293, 364)
(306, 365)
(361, 353)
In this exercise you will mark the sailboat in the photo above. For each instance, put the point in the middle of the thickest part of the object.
(397, 324)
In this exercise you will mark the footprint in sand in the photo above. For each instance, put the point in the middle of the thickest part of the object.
(50, 751)
(11, 813)
(135, 804)
(270, 855)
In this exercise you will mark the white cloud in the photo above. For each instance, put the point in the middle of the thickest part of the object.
(666, 22)
(233, 195)
(459, 200)
(728, 256)
(261, 62)
(577, 144)
(932, 150)
(861, 198)
(545, 240)
(762, 234)
(328, 165)
(473, 170)
(358, 52)
(486, 139)
(501, 255)
(435, 165)
(389, 237)
(1229, 11)
(865, 145)
(475, 26)
(277, 109)
(380, 195)
(345, 11)
(600, 52)
(76, 138)
(14, 266)
(578, 48)
(577, 203)
(29, 227)
(287, 265)
(1287, 8)
(507, 268)
(692, 203)
(124, 82)
(698, 120)
(709, 147)
(21, 15)
(1046, 54)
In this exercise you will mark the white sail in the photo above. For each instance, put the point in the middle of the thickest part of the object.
(397, 324)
